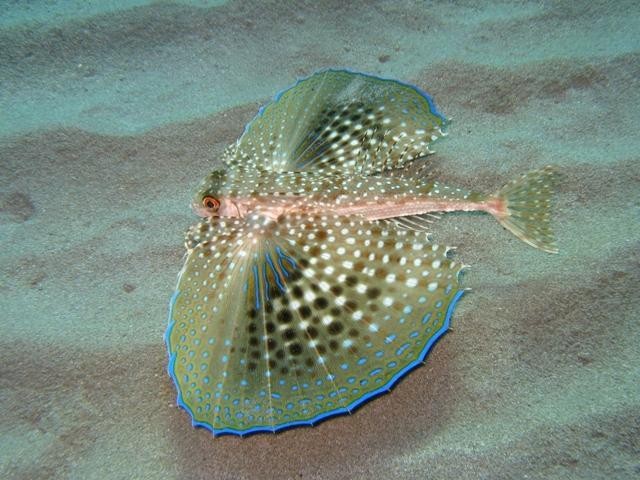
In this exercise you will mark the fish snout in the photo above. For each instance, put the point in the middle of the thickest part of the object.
(202, 211)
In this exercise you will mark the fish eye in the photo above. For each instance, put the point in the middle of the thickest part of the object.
(211, 203)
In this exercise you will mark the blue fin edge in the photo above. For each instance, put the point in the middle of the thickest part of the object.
(323, 416)
(432, 105)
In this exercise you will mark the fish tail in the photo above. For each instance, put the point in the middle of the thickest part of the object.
(523, 206)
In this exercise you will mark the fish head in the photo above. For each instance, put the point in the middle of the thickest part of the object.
(210, 201)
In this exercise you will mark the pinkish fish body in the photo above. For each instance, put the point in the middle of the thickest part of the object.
(522, 206)
(312, 285)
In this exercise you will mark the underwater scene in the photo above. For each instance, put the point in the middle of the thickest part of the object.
(319, 240)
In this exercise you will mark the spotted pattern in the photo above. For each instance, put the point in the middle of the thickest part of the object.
(339, 121)
(327, 189)
(313, 285)
(528, 201)
(278, 322)
(285, 320)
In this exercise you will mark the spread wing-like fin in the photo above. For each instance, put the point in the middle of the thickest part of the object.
(282, 323)
(343, 122)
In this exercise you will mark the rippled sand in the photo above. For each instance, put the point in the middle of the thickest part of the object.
(110, 117)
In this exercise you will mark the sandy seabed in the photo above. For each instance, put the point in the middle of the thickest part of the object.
(111, 113)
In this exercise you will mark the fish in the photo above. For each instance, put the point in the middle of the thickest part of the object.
(312, 283)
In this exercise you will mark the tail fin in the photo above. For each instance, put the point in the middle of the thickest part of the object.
(527, 208)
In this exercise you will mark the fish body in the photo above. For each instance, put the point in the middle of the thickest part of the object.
(311, 284)
(380, 197)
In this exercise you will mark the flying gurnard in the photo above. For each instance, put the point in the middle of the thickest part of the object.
(311, 284)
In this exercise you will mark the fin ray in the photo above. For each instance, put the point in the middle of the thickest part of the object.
(302, 319)
(527, 208)
(341, 122)
(420, 223)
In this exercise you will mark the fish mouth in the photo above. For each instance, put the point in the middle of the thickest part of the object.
(201, 211)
